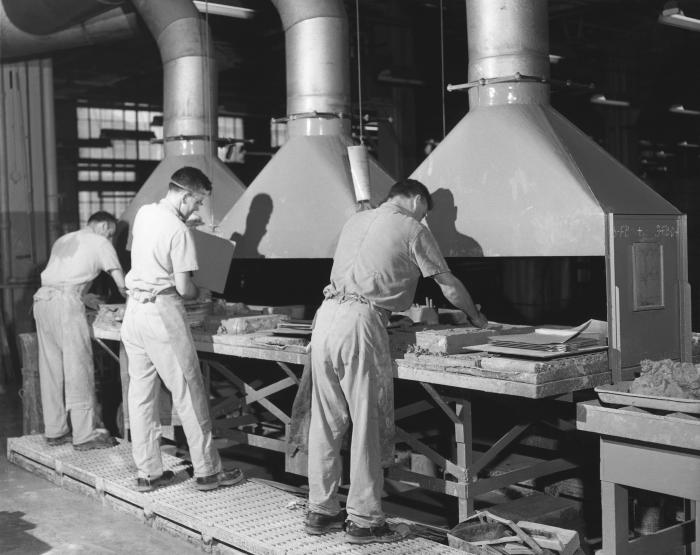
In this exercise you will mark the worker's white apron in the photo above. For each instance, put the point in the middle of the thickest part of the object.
(352, 383)
(66, 369)
(158, 343)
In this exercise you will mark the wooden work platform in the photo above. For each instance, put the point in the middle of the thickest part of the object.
(252, 517)
(648, 450)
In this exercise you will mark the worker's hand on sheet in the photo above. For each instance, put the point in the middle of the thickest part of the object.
(479, 320)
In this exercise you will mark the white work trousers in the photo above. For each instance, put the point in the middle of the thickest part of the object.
(66, 370)
(352, 383)
(158, 343)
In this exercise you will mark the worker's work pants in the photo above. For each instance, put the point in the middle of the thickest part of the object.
(158, 343)
(66, 370)
(352, 383)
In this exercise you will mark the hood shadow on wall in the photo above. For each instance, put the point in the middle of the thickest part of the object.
(442, 221)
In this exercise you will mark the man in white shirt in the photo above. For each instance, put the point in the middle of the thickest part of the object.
(158, 340)
(66, 369)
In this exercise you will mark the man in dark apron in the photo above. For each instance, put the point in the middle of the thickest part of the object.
(158, 340)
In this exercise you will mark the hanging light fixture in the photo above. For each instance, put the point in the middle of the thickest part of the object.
(603, 100)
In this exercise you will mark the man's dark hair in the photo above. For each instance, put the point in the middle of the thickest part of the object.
(102, 216)
(190, 179)
(409, 188)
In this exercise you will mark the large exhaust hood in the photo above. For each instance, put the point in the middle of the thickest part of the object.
(190, 108)
(514, 177)
(298, 203)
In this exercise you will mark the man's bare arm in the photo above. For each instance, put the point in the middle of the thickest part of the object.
(455, 292)
(118, 277)
(185, 286)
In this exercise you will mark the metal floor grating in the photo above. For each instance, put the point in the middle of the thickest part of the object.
(252, 516)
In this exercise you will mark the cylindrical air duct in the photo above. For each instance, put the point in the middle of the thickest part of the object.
(317, 60)
(190, 105)
(506, 38)
(29, 28)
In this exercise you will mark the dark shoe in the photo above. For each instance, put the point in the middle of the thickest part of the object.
(100, 442)
(224, 478)
(358, 534)
(318, 523)
(149, 484)
(56, 441)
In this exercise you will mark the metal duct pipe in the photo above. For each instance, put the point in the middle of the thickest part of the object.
(507, 38)
(317, 58)
(29, 28)
(190, 101)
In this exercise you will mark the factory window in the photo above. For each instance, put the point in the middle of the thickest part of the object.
(128, 132)
(114, 202)
(121, 133)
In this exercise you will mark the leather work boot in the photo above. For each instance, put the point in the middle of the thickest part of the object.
(224, 478)
(150, 484)
(56, 441)
(318, 523)
(381, 534)
(99, 442)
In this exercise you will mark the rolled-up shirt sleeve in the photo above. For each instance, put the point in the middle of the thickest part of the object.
(108, 259)
(183, 252)
(427, 254)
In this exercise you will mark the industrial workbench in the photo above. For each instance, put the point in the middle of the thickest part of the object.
(449, 387)
(647, 450)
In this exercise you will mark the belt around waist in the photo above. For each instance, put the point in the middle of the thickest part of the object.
(354, 297)
(143, 296)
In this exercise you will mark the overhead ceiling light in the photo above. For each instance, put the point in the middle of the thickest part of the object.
(686, 144)
(674, 16)
(227, 10)
(601, 99)
(555, 58)
(680, 109)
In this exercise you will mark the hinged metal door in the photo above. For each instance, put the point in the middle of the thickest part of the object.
(648, 291)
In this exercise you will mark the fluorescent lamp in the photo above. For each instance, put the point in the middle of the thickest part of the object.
(601, 99)
(555, 58)
(216, 8)
(680, 109)
(674, 16)
(686, 144)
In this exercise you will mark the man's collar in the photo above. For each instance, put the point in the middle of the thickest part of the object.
(170, 207)
(392, 207)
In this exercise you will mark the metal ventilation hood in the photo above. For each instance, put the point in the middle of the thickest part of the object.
(298, 203)
(514, 177)
(189, 109)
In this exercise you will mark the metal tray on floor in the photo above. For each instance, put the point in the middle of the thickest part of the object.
(619, 394)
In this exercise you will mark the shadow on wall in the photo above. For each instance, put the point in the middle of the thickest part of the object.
(441, 220)
(255, 228)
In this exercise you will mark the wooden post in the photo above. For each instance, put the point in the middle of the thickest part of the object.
(463, 438)
(32, 413)
(614, 500)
